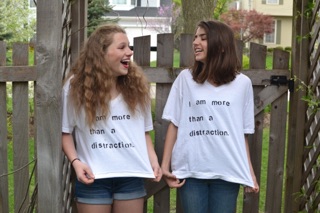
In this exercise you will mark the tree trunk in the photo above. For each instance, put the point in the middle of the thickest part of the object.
(195, 11)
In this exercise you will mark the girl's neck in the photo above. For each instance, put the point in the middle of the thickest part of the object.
(114, 92)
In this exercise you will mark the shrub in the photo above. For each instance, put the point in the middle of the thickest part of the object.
(288, 49)
(245, 62)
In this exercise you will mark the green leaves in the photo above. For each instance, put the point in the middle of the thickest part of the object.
(17, 21)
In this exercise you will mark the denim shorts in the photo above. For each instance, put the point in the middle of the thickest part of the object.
(104, 191)
(208, 195)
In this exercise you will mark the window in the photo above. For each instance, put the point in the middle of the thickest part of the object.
(270, 38)
(122, 4)
(119, 1)
(32, 4)
(272, 1)
(150, 3)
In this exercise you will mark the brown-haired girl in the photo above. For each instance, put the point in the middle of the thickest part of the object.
(210, 109)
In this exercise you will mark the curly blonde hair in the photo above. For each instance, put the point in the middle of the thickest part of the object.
(91, 80)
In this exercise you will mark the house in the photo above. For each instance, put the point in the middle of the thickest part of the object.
(281, 11)
(141, 17)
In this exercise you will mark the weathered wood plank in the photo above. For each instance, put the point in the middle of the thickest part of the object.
(164, 59)
(3, 58)
(267, 96)
(4, 198)
(18, 73)
(259, 77)
(239, 46)
(258, 54)
(186, 50)
(251, 201)
(277, 142)
(48, 105)
(141, 52)
(4, 184)
(297, 109)
(20, 123)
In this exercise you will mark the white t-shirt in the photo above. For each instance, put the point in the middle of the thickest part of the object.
(116, 145)
(211, 125)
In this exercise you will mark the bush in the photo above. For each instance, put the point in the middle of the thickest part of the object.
(279, 48)
(288, 49)
(270, 50)
(245, 62)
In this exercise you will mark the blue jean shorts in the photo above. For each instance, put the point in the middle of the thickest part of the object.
(104, 191)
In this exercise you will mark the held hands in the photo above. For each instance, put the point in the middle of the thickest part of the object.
(157, 172)
(84, 173)
(171, 180)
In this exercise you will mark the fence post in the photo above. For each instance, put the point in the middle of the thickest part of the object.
(165, 49)
(48, 104)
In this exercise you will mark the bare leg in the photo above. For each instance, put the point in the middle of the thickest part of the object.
(132, 206)
(89, 208)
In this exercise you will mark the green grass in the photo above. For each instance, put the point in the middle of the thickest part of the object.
(176, 60)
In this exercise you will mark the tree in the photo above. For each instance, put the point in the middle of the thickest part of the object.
(195, 11)
(17, 22)
(168, 16)
(97, 9)
(4, 35)
(248, 25)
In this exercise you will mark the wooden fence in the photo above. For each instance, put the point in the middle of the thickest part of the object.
(304, 139)
(16, 134)
(23, 190)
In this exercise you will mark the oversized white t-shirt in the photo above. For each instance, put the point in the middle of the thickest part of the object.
(116, 145)
(211, 125)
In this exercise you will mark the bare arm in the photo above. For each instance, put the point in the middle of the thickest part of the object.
(84, 173)
(255, 189)
(153, 158)
(171, 137)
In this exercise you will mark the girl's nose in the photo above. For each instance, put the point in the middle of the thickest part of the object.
(129, 52)
(195, 41)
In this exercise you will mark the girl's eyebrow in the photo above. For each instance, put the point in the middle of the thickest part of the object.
(200, 35)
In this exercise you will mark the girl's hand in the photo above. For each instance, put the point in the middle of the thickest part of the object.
(254, 189)
(172, 180)
(157, 173)
(83, 172)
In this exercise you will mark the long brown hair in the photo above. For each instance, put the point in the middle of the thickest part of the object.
(222, 64)
(91, 78)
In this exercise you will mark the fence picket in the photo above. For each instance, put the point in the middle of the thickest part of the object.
(4, 184)
(20, 123)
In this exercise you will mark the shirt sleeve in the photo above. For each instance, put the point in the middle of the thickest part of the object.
(173, 107)
(68, 122)
(248, 125)
(148, 120)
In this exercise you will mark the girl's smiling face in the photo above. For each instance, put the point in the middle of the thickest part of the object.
(200, 45)
(119, 54)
